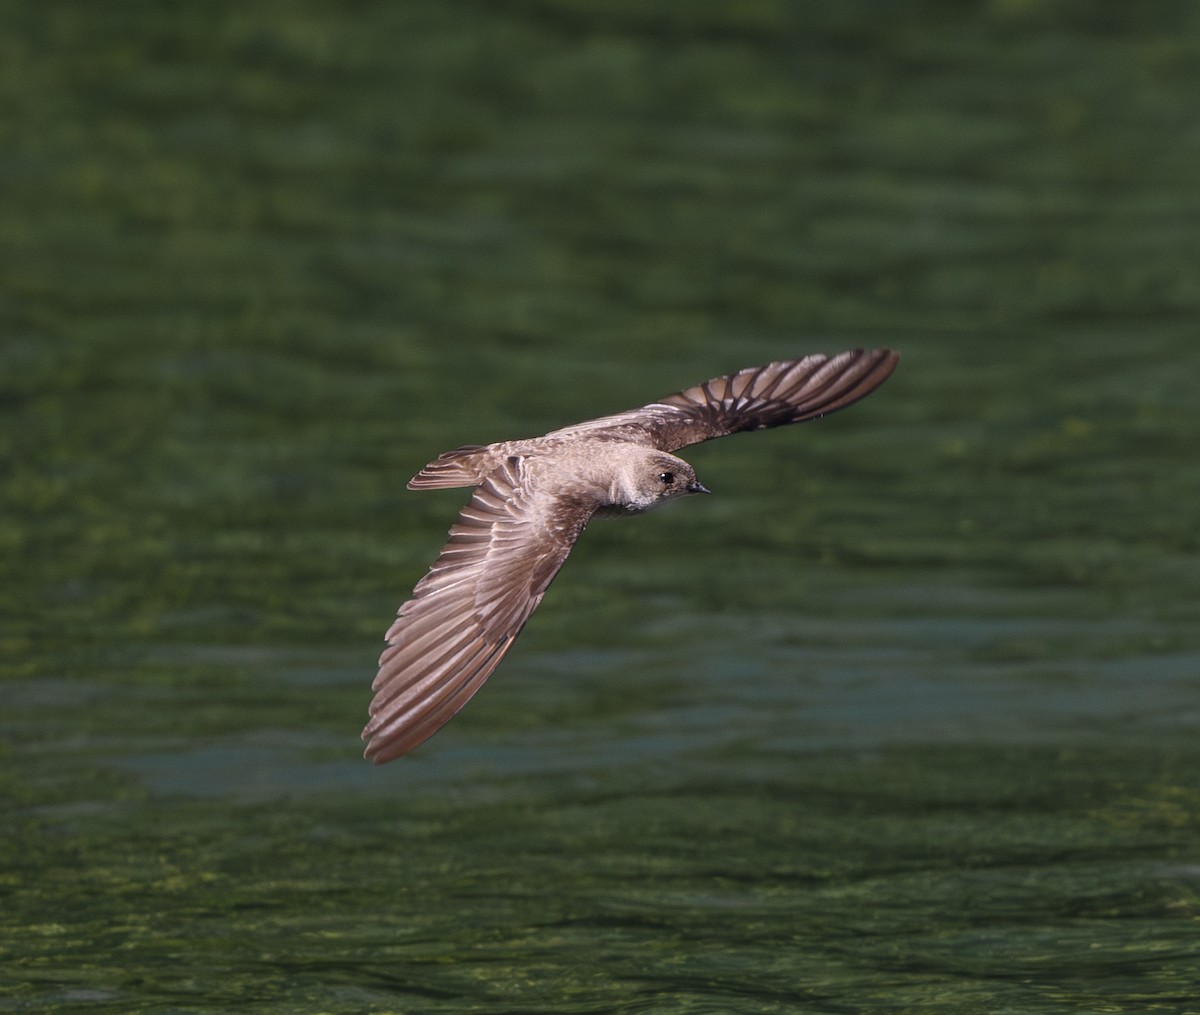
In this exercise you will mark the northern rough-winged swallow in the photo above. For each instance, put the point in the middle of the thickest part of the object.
(534, 497)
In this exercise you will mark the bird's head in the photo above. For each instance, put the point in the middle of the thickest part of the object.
(655, 478)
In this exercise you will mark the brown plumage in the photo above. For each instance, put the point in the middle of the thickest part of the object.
(534, 497)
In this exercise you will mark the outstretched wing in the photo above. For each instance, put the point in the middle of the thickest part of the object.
(503, 552)
(753, 399)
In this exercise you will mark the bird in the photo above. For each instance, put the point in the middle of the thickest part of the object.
(533, 498)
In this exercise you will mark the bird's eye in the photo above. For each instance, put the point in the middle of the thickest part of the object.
(666, 478)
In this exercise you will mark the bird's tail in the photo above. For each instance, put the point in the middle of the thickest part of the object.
(465, 466)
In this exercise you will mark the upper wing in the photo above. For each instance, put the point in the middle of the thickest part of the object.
(753, 399)
(502, 554)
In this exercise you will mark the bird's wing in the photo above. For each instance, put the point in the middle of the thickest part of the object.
(757, 398)
(503, 552)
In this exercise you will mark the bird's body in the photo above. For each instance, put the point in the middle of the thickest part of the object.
(534, 497)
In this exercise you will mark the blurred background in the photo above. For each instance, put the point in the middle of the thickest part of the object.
(903, 718)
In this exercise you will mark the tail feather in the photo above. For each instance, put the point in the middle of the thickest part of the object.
(463, 466)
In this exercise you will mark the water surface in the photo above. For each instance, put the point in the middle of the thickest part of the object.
(904, 718)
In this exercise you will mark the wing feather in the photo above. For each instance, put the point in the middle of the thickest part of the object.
(790, 391)
(501, 555)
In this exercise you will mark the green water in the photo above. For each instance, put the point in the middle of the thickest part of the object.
(904, 718)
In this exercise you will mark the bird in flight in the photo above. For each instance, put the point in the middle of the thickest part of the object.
(533, 498)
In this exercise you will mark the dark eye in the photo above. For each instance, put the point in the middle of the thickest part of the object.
(666, 478)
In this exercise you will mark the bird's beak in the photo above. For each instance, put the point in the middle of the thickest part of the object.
(698, 487)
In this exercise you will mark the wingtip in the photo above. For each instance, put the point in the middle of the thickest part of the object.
(888, 359)
(377, 750)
